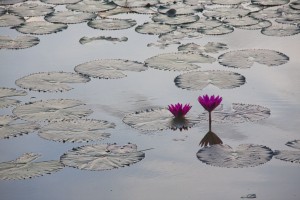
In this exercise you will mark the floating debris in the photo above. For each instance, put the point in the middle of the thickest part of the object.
(85, 40)
(249, 196)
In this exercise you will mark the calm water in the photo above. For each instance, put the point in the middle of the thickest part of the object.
(171, 170)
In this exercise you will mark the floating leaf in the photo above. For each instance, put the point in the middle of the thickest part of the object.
(52, 110)
(102, 157)
(112, 24)
(136, 3)
(219, 30)
(179, 34)
(270, 2)
(60, 2)
(295, 4)
(226, 12)
(109, 68)
(50, 81)
(292, 19)
(20, 42)
(81, 130)
(2, 11)
(195, 2)
(157, 119)
(238, 114)
(245, 155)
(85, 40)
(9, 92)
(246, 58)
(10, 20)
(261, 24)
(228, 2)
(30, 10)
(203, 23)
(154, 28)
(5, 102)
(144, 10)
(69, 17)
(287, 155)
(198, 80)
(23, 167)
(210, 47)
(281, 31)
(177, 20)
(40, 27)
(9, 127)
(115, 11)
(242, 21)
(180, 9)
(10, 2)
(266, 13)
(294, 144)
(178, 61)
(91, 6)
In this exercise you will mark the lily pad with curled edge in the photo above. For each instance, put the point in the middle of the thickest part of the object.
(294, 144)
(102, 156)
(287, 155)
(10, 2)
(270, 2)
(153, 28)
(177, 20)
(239, 113)
(91, 6)
(30, 10)
(246, 58)
(178, 61)
(69, 17)
(181, 9)
(261, 24)
(198, 80)
(21, 42)
(155, 119)
(85, 40)
(10, 20)
(203, 23)
(219, 30)
(81, 130)
(10, 92)
(52, 110)
(109, 68)
(60, 2)
(245, 155)
(266, 13)
(24, 167)
(242, 21)
(50, 81)
(112, 24)
(40, 27)
(229, 2)
(210, 47)
(136, 3)
(281, 30)
(295, 5)
(226, 12)
(9, 127)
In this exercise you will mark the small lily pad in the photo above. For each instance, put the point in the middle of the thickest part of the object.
(261, 24)
(239, 113)
(198, 80)
(69, 17)
(287, 155)
(10, 92)
(219, 30)
(281, 31)
(226, 12)
(91, 6)
(24, 168)
(9, 127)
(178, 61)
(30, 10)
(242, 21)
(203, 23)
(294, 144)
(245, 155)
(52, 110)
(102, 157)
(50, 81)
(270, 2)
(10, 20)
(210, 47)
(112, 24)
(40, 27)
(10, 2)
(80, 130)
(153, 28)
(136, 3)
(60, 2)
(246, 58)
(85, 40)
(109, 68)
(177, 20)
(21, 42)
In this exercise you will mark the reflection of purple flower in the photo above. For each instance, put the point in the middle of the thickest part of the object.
(209, 103)
(178, 111)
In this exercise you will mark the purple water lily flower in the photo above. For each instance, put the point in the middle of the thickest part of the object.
(178, 110)
(209, 103)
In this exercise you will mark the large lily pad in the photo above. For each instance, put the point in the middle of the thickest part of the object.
(112, 24)
(176, 20)
(203, 23)
(295, 5)
(245, 155)
(154, 28)
(9, 92)
(246, 58)
(69, 17)
(30, 10)
(270, 2)
(294, 144)
(135, 3)
(21, 42)
(50, 81)
(92, 6)
(10, 127)
(210, 47)
(281, 31)
(287, 155)
(24, 167)
(219, 30)
(226, 12)
(109, 68)
(10, 2)
(198, 80)
(10, 20)
(102, 157)
(40, 27)
(81, 130)
(178, 61)
(52, 110)
(85, 40)
(60, 2)
(239, 113)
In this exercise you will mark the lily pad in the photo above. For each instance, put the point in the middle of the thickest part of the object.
(246, 58)
(50, 81)
(30, 10)
(178, 61)
(69, 17)
(144, 10)
(91, 6)
(281, 31)
(177, 20)
(24, 167)
(52, 110)
(295, 5)
(102, 157)
(179, 35)
(109, 68)
(135, 3)
(261, 24)
(292, 19)
(6, 102)
(219, 30)
(242, 21)
(266, 13)
(85, 40)
(116, 11)
(226, 12)
(112, 24)
(10, 2)
(180, 9)
(203, 23)
(245, 155)
(60, 2)
(270, 2)
(20, 42)
(40, 27)
(197, 2)
(239, 113)
(198, 80)
(228, 2)
(10, 127)
(2, 11)
(10, 20)
(287, 155)
(294, 144)
(154, 28)
(210, 47)
(9, 92)
(81, 130)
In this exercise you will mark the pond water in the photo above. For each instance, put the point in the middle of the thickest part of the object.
(170, 168)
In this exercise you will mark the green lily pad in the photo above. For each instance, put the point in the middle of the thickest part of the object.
(21, 42)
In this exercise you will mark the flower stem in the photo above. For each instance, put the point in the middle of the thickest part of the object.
(209, 121)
